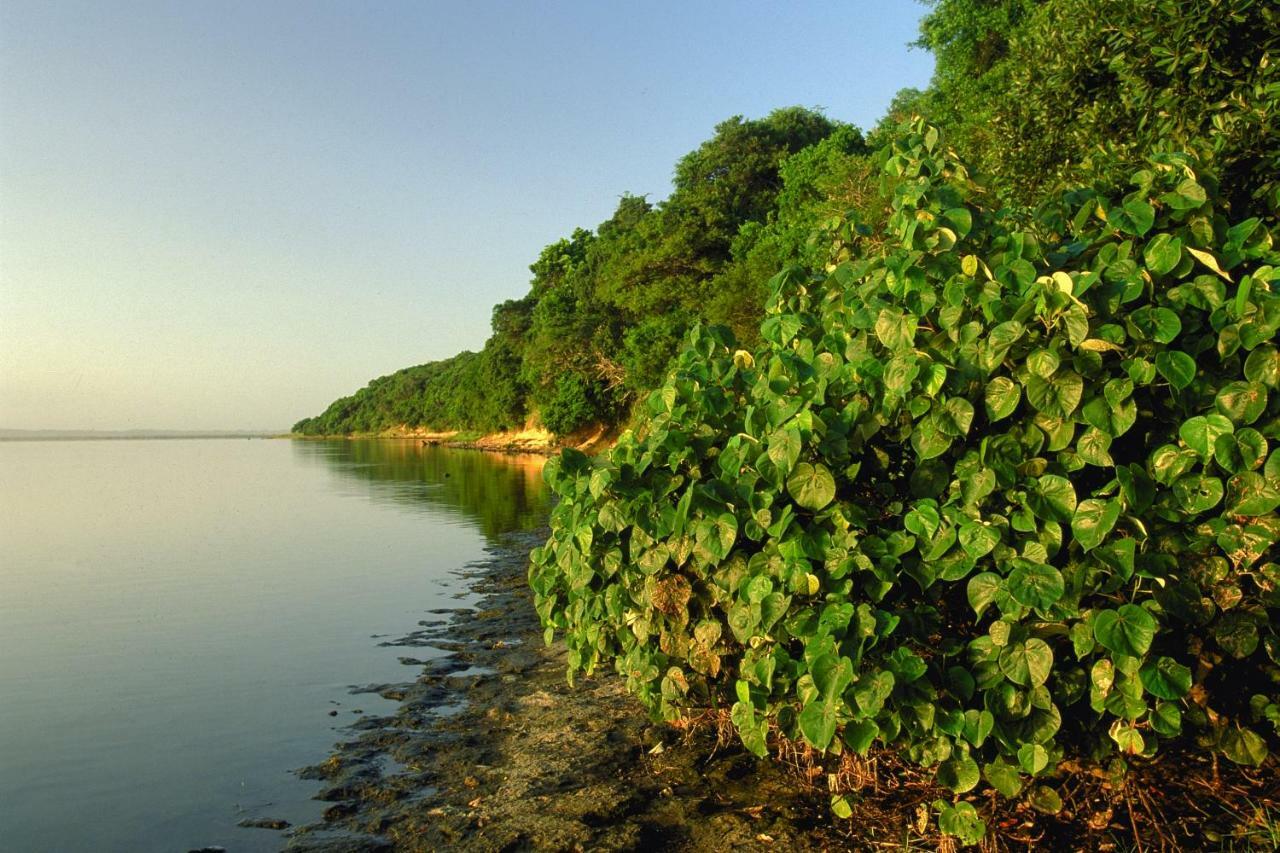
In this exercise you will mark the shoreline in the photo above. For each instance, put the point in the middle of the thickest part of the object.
(491, 750)
(590, 440)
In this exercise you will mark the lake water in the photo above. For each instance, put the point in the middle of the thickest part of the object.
(179, 617)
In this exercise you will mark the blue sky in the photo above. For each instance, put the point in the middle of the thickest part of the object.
(225, 215)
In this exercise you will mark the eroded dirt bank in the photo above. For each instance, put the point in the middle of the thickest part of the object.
(491, 750)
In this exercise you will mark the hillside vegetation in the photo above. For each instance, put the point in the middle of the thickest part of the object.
(991, 491)
(606, 309)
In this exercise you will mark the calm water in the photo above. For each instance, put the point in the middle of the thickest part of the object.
(177, 619)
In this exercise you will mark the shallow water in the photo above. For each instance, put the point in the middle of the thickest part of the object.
(178, 618)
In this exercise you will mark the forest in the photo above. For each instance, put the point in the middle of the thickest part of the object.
(1033, 95)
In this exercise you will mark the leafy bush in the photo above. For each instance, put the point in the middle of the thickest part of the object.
(1036, 92)
(574, 403)
(995, 493)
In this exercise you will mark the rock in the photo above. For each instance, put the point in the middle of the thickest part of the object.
(264, 823)
(338, 844)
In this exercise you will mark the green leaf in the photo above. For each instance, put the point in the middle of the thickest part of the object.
(959, 773)
(1158, 324)
(811, 486)
(1044, 799)
(860, 734)
(1082, 642)
(962, 821)
(1036, 585)
(1004, 777)
(1053, 498)
(1033, 757)
(1141, 215)
(871, 692)
(1043, 362)
(982, 590)
(1094, 448)
(896, 330)
(1177, 367)
(840, 807)
(1188, 196)
(1243, 746)
(1057, 396)
(1251, 494)
(978, 725)
(1162, 253)
(784, 448)
(1077, 324)
(1027, 664)
(1002, 398)
(717, 535)
(962, 219)
(928, 440)
(1202, 431)
(956, 416)
(1263, 366)
(1242, 402)
(1166, 719)
(1236, 633)
(757, 589)
(1127, 630)
(818, 723)
(1128, 738)
(1208, 260)
(1197, 493)
(1165, 678)
(1241, 452)
(977, 540)
(1094, 519)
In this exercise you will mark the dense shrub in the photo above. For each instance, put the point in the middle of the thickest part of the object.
(1045, 92)
(992, 492)
(574, 403)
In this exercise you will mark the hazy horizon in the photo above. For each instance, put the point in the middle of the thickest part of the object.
(140, 430)
(221, 215)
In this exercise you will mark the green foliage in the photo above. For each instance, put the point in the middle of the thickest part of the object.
(605, 311)
(993, 491)
(468, 391)
(573, 403)
(1060, 91)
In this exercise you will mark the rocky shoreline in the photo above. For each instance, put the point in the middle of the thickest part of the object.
(491, 750)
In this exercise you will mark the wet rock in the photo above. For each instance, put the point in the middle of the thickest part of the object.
(494, 752)
(338, 844)
(264, 823)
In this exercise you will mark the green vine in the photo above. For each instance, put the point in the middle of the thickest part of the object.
(995, 492)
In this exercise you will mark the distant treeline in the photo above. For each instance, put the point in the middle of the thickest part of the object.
(1035, 93)
(606, 309)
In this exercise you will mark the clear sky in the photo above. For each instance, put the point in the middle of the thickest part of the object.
(220, 215)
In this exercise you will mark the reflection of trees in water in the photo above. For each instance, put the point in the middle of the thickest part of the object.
(500, 492)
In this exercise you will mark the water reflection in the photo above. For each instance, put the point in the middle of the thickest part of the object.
(178, 620)
(500, 492)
